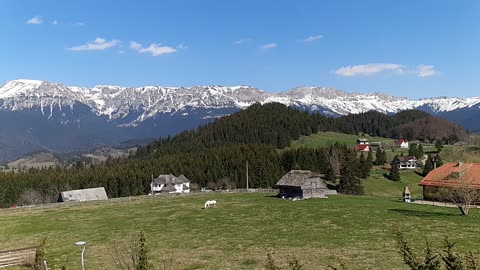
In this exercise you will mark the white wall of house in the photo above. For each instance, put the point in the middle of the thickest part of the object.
(178, 188)
(404, 145)
(157, 188)
(411, 164)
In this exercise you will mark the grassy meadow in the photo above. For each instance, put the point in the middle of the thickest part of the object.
(238, 234)
(323, 139)
(356, 230)
(378, 185)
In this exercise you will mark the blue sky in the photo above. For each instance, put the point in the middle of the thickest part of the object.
(407, 48)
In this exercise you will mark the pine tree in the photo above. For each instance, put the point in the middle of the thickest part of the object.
(438, 161)
(428, 165)
(364, 168)
(369, 162)
(412, 150)
(419, 154)
(40, 257)
(330, 174)
(380, 157)
(438, 145)
(451, 260)
(142, 255)
(349, 182)
(394, 172)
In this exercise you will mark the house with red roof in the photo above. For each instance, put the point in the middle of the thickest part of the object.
(362, 148)
(450, 175)
(402, 143)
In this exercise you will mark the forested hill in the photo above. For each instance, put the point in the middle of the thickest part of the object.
(271, 124)
(277, 125)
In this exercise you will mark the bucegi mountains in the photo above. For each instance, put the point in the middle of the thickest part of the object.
(41, 115)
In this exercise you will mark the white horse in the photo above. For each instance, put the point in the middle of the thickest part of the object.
(210, 204)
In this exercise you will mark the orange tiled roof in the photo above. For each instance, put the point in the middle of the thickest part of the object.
(454, 174)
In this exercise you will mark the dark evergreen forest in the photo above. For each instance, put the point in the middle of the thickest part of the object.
(215, 154)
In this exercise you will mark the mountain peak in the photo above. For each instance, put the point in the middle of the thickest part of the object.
(12, 88)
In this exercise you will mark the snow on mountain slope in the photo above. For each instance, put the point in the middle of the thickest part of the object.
(133, 105)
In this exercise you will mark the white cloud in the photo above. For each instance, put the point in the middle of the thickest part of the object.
(269, 46)
(425, 70)
(98, 45)
(311, 38)
(80, 24)
(135, 45)
(372, 69)
(154, 49)
(35, 20)
(369, 69)
(241, 41)
(55, 22)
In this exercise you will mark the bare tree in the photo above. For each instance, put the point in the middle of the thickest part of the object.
(30, 197)
(334, 160)
(462, 194)
(125, 255)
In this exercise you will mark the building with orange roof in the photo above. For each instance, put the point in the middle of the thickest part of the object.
(450, 175)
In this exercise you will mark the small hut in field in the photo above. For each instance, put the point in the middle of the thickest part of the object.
(302, 184)
(83, 195)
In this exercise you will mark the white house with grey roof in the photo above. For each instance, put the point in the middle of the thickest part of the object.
(169, 183)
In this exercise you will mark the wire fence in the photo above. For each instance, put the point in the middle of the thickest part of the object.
(135, 198)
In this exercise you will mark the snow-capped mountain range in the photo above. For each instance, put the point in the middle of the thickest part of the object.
(48, 113)
(116, 102)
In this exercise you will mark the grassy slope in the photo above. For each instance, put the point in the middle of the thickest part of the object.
(378, 185)
(238, 234)
(328, 138)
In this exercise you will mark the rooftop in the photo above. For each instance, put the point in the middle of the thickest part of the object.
(296, 178)
(454, 174)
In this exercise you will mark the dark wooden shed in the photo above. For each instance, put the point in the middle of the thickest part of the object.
(302, 184)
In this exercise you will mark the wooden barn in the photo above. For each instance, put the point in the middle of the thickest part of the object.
(302, 184)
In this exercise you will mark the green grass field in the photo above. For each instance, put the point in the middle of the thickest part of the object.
(240, 232)
(357, 230)
(378, 185)
(323, 139)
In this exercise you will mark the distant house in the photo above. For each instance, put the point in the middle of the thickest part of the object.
(83, 195)
(450, 175)
(402, 144)
(405, 162)
(362, 141)
(362, 148)
(302, 184)
(168, 183)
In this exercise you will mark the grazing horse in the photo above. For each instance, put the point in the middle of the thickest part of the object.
(210, 204)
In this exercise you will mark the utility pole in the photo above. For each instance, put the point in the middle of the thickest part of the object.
(247, 175)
